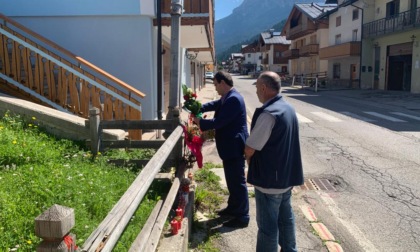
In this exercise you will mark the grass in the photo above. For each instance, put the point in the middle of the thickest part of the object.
(209, 193)
(37, 171)
(208, 197)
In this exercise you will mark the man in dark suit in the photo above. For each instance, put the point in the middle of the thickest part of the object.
(231, 129)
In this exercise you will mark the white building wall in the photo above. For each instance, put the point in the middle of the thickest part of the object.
(348, 25)
(117, 36)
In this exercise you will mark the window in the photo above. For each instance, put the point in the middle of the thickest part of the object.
(277, 54)
(338, 39)
(249, 55)
(392, 8)
(355, 35)
(336, 71)
(284, 69)
(355, 14)
(338, 21)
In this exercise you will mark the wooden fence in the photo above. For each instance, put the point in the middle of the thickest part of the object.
(106, 235)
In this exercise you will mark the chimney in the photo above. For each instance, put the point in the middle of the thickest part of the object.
(271, 32)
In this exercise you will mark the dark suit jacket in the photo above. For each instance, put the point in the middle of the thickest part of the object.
(230, 124)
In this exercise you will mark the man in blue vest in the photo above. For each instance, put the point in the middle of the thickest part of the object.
(274, 165)
(231, 131)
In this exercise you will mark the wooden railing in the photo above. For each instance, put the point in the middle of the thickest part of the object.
(308, 50)
(191, 6)
(113, 225)
(290, 54)
(48, 74)
(401, 22)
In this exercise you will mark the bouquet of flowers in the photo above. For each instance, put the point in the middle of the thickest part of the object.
(190, 101)
(193, 135)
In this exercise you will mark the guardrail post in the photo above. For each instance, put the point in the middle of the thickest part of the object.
(177, 151)
(54, 226)
(94, 120)
(316, 83)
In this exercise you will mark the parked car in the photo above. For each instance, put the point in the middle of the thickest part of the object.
(209, 75)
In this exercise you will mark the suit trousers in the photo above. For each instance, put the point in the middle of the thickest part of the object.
(238, 203)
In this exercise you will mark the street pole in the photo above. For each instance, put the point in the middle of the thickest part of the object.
(173, 108)
(361, 46)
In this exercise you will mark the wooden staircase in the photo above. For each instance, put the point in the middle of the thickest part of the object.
(38, 70)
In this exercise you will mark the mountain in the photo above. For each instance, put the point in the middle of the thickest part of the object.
(222, 56)
(250, 18)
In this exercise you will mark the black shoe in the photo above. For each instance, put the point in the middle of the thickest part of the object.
(235, 223)
(224, 212)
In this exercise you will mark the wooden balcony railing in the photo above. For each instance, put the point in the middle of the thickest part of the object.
(309, 50)
(190, 6)
(280, 60)
(290, 54)
(342, 50)
(403, 21)
(264, 61)
(52, 76)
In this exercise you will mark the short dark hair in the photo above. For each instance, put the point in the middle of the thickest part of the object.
(225, 76)
(272, 81)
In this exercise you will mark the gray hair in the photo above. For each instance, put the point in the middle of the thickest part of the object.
(271, 80)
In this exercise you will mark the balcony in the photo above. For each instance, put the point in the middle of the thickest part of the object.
(197, 27)
(404, 21)
(290, 54)
(264, 61)
(280, 60)
(342, 50)
(300, 31)
(309, 50)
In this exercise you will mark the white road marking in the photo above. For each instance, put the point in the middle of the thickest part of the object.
(389, 118)
(359, 236)
(357, 116)
(327, 117)
(405, 115)
(303, 119)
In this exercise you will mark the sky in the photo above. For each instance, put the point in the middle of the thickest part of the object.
(224, 8)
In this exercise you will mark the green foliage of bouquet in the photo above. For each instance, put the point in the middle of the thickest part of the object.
(190, 101)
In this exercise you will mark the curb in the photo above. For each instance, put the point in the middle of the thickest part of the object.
(326, 236)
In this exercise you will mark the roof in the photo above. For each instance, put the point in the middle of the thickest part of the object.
(237, 55)
(315, 10)
(275, 39)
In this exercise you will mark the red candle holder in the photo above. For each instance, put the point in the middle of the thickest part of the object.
(179, 220)
(174, 226)
(179, 212)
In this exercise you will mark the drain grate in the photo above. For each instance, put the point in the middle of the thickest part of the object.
(317, 184)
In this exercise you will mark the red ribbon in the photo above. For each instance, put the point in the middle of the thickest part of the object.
(68, 240)
(194, 145)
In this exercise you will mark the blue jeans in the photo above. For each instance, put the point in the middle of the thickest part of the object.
(276, 222)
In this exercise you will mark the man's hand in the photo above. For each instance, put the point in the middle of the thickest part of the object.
(248, 152)
(197, 121)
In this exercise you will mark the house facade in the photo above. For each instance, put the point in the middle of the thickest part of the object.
(391, 34)
(344, 44)
(121, 38)
(235, 62)
(252, 58)
(271, 45)
(307, 33)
